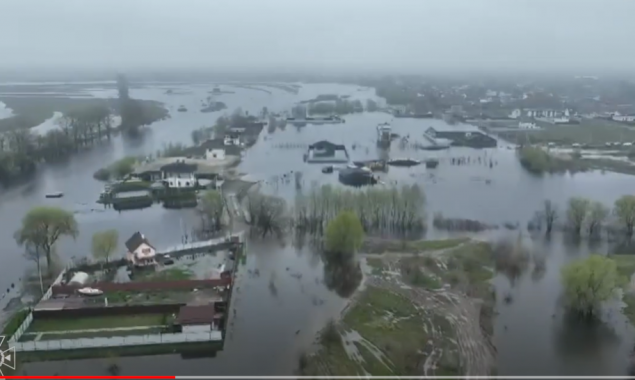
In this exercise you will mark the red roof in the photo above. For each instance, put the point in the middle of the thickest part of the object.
(196, 315)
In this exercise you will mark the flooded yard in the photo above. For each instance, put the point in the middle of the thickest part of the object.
(285, 294)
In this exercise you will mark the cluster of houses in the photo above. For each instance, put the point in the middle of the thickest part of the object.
(200, 165)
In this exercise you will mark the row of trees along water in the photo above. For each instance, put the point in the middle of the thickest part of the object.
(43, 226)
(341, 218)
(583, 216)
(21, 150)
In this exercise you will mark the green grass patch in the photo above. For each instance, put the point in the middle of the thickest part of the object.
(171, 274)
(372, 245)
(391, 323)
(100, 334)
(101, 322)
(377, 265)
(15, 322)
(625, 265)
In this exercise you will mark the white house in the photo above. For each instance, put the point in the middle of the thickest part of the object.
(383, 132)
(179, 174)
(212, 154)
(140, 252)
(522, 125)
(515, 114)
(215, 149)
(623, 118)
(232, 139)
(547, 113)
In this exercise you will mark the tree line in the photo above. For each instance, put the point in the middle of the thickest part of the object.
(584, 216)
(21, 150)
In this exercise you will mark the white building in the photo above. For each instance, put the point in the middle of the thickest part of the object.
(199, 319)
(140, 252)
(522, 125)
(623, 118)
(179, 174)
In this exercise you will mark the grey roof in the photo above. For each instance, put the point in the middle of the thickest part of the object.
(135, 241)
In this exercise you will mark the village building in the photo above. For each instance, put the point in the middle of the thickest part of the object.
(326, 152)
(140, 252)
(179, 175)
(200, 318)
(623, 118)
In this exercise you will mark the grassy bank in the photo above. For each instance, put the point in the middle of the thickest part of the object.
(396, 330)
(589, 131)
(373, 245)
(538, 161)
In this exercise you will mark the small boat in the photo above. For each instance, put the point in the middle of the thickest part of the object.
(57, 194)
(182, 109)
(431, 164)
(327, 169)
(90, 292)
(403, 162)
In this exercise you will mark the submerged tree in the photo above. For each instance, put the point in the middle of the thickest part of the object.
(550, 215)
(104, 244)
(625, 211)
(577, 212)
(588, 282)
(212, 207)
(597, 215)
(344, 236)
(397, 208)
(43, 226)
(266, 213)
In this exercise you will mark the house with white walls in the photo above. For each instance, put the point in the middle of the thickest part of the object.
(179, 174)
(623, 118)
(140, 252)
(528, 126)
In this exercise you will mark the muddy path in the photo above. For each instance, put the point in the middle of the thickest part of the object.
(442, 306)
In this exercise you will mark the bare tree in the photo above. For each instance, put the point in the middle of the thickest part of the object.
(597, 215)
(212, 207)
(577, 213)
(33, 253)
(266, 214)
(550, 214)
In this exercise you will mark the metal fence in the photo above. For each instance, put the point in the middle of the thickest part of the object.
(29, 318)
(115, 341)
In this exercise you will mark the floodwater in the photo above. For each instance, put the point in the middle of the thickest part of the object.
(280, 299)
(5, 111)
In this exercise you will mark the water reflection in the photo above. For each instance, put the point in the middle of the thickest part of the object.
(342, 276)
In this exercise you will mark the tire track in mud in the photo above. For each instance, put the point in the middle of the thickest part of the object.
(475, 349)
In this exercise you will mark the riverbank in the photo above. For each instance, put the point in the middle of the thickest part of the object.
(413, 317)
(33, 110)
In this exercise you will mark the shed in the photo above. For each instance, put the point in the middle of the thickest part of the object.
(79, 278)
(196, 318)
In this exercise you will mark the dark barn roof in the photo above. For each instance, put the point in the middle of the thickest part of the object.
(196, 315)
(324, 144)
(179, 167)
(136, 240)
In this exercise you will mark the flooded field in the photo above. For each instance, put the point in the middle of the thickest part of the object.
(284, 295)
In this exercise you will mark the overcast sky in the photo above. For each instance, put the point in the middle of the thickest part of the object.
(411, 35)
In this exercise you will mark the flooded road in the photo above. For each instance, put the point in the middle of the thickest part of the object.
(274, 323)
